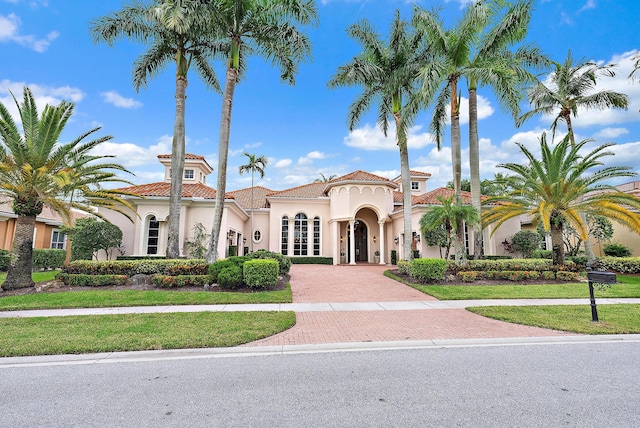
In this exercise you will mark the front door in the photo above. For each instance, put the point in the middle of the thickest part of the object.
(362, 250)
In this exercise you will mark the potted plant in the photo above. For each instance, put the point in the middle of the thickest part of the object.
(343, 257)
(376, 256)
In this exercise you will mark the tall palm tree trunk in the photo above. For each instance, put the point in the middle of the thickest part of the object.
(456, 163)
(177, 168)
(252, 208)
(223, 154)
(474, 166)
(557, 244)
(405, 176)
(21, 257)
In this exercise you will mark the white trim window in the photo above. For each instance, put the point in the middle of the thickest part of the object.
(415, 185)
(58, 239)
(153, 235)
(189, 174)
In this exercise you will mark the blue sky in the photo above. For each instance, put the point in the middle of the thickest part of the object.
(301, 129)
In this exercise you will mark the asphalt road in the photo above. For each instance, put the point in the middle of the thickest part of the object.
(581, 385)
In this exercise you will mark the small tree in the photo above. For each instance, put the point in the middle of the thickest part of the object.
(197, 247)
(438, 237)
(599, 227)
(91, 235)
(617, 250)
(526, 242)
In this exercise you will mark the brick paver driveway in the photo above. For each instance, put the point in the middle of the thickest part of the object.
(366, 283)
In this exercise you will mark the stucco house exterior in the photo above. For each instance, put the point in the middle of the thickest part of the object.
(352, 219)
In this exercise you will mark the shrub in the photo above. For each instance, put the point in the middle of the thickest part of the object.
(132, 267)
(230, 277)
(311, 260)
(217, 267)
(83, 280)
(394, 257)
(620, 264)
(468, 276)
(509, 264)
(261, 273)
(404, 267)
(563, 275)
(428, 269)
(616, 250)
(283, 261)
(48, 259)
(547, 274)
(167, 281)
(4, 260)
(526, 242)
(498, 257)
(542, 254)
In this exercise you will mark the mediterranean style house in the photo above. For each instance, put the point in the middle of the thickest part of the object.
(47, 233)
(355, 218)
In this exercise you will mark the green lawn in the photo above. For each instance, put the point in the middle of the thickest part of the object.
(37, 276)
(614, 319)
(137, 332)
(628, 286)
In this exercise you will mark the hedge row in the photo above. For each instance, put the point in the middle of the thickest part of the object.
(515, 275)
(177, 281)
(312, 260)
(620, 264)
(42, 259)
(83, 280)
(132, 267)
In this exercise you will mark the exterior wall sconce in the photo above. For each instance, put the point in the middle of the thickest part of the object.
(229, 234)
(341, 238)
(244, 240)
(417, 238)
(396, 240)
(374, 238)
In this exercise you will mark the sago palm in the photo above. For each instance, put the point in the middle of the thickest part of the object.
(254, 164)
(265, 28)
(387, 72)
(176, 32)
(559, 187)
(37, 170)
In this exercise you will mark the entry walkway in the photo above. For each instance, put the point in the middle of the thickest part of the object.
(350, 304)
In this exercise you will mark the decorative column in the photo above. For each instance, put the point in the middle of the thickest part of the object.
(352, 242)
(381, 235)
(335, 243)
(291, 235)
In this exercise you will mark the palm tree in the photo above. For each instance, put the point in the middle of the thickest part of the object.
(571, 88)
(388, 73)
(177, 31)
(493, 64)
(560, 188)
(260, 27)
(37, 170)
(324, 179)
(448, 215)
(254, 164)
(441, 73)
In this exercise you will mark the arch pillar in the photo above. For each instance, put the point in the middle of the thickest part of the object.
(381, 235)
(352, 242)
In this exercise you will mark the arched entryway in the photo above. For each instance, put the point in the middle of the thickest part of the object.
(361, 242)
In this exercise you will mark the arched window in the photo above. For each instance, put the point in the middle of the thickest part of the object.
(300, 235)
(284, 237)
(153, 235)
(316, 236)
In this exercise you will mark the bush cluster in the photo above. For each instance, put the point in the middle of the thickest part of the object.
(404, 267)
(84, 280)
(48, 259)
(616, 250)
(312, 260)
(427, 270)
(177, 281)
(4, 260)
(260, 274)
(129, 268)
(620, 264)
(283, 261)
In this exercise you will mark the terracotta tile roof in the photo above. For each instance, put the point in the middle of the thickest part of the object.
(420, 173)
(431, 198)
(163, 189)
(311, 190)
(243, 197)
(362, 176)
(186, 156)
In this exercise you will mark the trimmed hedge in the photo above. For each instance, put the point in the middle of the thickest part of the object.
(48, 259)
(217, 267)
(178, 281)
(230, 277)
(404, 267)
(157, 257)
(83, 280)
(308, 260)
(621, 264)
(428, 269)
(171, 267)
(4, 260)
(260, 274)
(283, 261)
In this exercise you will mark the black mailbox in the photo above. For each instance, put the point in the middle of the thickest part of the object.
(601, 277)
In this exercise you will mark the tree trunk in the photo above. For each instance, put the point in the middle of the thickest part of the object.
(223, 153)
(252, 208)
(405, 174)
(474, 167)
(456, 163)
(21, 257)
(557, 245)
(177, 171)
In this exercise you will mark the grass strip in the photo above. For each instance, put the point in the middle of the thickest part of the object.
(627, 287)
(614, 319)
(103, 298)
(137, 332)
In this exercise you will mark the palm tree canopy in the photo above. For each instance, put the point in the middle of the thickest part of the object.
(176, 31)
(324, 179)
(448, 213)
(36, 170)
(561, 183)
(254, 164)
(570, 88)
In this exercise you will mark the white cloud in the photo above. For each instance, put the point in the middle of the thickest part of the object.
(371, 138)
(112, 97)
(131, 155)
(283, 163)
(316, 155)
(607, 133)
(10, 32)
(42, 94)
(590, 4)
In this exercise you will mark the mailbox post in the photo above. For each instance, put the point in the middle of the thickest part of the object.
(598, 278)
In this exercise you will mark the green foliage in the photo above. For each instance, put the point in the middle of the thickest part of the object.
(83, 280)
(510, 265)
(526, 242)
(404, 267)
(563, 275)
(197, 245)
(311, 260)
(4, 260)
(261, 273)
(283, 261)
(542, 254)
(132, 267)
(214, 269)
(90, 235)
(499, 257)
(48, 258)
(230, 277)
(616, 250)
(620, 264)
(426, 270)
(394, 257)
(468, 276)
(511, 275)
(178, 281)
